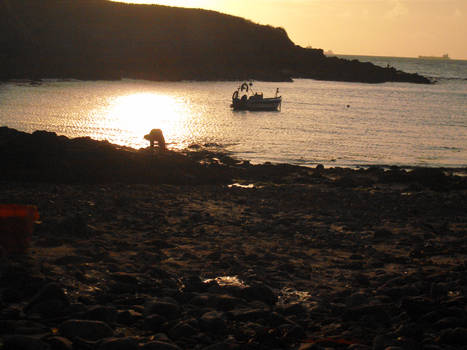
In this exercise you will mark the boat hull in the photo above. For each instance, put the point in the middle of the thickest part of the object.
(265, 104)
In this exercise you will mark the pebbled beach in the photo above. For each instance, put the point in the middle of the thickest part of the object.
(209, 252)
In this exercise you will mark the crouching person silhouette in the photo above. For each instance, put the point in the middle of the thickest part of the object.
(156, 135)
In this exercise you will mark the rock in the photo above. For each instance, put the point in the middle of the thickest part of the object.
(357, 299)
(259, 292)
(454, 337)
(159, 345)
(292, 309)
(368, 313)
(59, 343)
(213, 322)
(106, 314)
(128, 343)
(128, 317)
(416, 307)
(448, 322)
(49, 308)
(182, 330)
(382, 342)
(23, 342)
(162, 308)
(49, 301)
(154, 322)
(88, 330)
(223, 302)
(249, 314)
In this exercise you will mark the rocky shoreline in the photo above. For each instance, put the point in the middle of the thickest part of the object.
(215, 253)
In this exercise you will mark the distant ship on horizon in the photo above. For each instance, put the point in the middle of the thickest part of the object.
(444, 57)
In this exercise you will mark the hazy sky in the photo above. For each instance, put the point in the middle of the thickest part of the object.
(367, 27)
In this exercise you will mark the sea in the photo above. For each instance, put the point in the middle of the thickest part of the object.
(337, 124)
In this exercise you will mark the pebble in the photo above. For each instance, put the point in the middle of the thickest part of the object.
(88, 330)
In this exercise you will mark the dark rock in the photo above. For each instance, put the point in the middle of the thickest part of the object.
(49, 308)
(51, 291)
(454, 337)
(249, 314)
(213, 322)
(128, 343)
(50, 301)
(154, 322)
(128, 317)
(293, 333)
(88, 330)
(416, 307)
(368, 313)
(448, 322)
(106, 314)
(182, 330)
(167, 309)
(160, 345)
(292, 309)
(357, 299)
(23, 342)
(259, 292)
(223, 302)
(59, 343)
(382, 342)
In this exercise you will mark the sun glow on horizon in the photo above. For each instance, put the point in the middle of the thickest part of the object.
(176, 3)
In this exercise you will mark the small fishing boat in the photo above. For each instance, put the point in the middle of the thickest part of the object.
(246, 99)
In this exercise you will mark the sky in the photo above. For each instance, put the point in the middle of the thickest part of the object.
(403, 28)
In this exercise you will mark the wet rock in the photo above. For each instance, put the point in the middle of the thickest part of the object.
(448, 322)
(154, 322)
(357, 299)
(182, 330)
(213, 322)
(382, 342)
(163, 308)
(50, 301)
(292, 309)
(59, 343)
(106, 314)
(454, 337)
(23, 342)
(222, 302)
(259, 292)
(249, 314)
(160, 345)
(128, 343)
(128, 317)
(88, 330)
(369, 313)
(292, 333)
(416, 307)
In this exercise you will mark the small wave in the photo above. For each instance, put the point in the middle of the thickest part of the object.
(447, 78)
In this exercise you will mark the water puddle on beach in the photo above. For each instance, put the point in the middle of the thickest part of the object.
(242, 185)
(290, 295)
(223, 281)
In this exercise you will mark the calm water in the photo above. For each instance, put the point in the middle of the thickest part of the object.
(336, 124)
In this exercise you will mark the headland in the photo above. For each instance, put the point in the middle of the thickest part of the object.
(103, 40)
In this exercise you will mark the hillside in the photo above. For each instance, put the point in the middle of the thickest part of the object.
(98, 39)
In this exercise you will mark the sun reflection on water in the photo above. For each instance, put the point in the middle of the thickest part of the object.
(136, 114)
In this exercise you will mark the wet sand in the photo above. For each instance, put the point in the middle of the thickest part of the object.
(288, 258)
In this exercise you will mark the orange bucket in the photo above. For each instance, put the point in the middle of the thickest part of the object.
(16, 226)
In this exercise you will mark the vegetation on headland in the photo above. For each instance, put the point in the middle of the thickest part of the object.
(98, 39)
